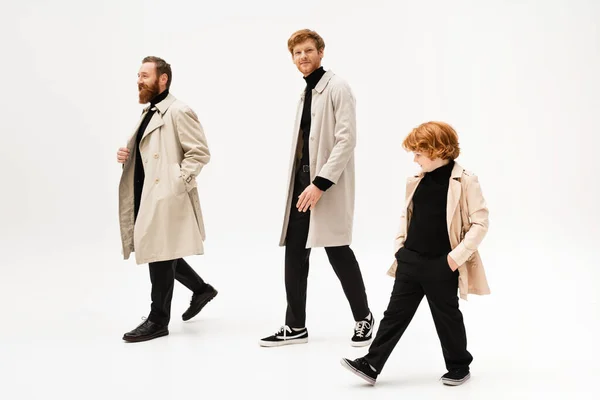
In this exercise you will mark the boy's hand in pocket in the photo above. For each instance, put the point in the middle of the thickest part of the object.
(453, 265)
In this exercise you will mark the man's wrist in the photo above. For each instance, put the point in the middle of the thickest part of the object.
(322, 183)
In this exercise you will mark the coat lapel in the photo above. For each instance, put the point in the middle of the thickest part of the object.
(155, 123)
(453, 194)
(131, 141)
(157, 120)
(454, 190)
(411, 187)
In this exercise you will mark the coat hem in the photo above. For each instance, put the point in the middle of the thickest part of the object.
(175, 256)
(345, 242)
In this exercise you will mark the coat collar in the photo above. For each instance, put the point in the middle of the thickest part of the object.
(322, 83)
(157, 120)
(164, 105)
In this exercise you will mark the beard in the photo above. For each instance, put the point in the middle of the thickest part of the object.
(147, 93)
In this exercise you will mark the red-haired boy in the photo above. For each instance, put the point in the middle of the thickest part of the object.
(444, 221)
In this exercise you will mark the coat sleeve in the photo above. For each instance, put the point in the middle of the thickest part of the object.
(193, 142)
(478, 215)
(344, 107)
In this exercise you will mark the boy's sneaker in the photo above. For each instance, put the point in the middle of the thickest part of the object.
(285, 335)
(362, 368)
(456, 377)
(363, 332)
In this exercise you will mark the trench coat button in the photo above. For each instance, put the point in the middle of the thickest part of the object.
(312, 138)
(156, 155)
(313, 114)
(146, 160)
(156, 180)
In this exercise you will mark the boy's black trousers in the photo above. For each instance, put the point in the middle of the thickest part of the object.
(418, 276)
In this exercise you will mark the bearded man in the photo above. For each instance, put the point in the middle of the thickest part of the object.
(159, 207)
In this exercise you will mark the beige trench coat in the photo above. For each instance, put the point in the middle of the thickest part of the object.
(169, 224)
(467, 219)
(331, 149)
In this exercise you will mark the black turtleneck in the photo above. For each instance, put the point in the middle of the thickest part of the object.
(305, 122)
(138, 173)
(428, 230)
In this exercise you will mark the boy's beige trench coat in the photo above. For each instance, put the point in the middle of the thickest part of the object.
(331, 150)
(467, 220)
(174, 150)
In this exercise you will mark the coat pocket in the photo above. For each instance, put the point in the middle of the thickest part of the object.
(177, 183)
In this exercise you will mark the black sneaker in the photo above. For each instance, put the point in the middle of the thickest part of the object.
(363, 332)
(361, 368)
(285, 336)
(456, 377)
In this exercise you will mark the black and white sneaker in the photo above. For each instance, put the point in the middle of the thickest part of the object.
(363, 332)
(362, 368)
(285, 335)
(456, 377)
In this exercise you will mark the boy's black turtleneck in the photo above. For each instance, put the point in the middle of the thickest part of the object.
(428, 230)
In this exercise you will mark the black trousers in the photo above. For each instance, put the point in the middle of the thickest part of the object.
(163, 275)
(416, 277)
(297, 256)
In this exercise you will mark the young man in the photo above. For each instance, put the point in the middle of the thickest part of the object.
(320, 197)
(443, 223)
(159, 208)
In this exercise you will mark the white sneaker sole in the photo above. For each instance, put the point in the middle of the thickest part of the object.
(264, 343)
(356, 372)
(453, 382)
(361, 344)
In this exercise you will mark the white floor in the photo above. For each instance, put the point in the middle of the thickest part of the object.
(64, 315)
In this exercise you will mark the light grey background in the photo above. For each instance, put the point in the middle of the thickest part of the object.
(517, 79)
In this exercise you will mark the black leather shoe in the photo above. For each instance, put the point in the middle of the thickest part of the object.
(199, 300)
(147, 330)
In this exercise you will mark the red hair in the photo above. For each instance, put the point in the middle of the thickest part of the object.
(434, 139)
(302, 36)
